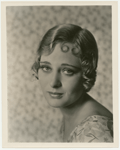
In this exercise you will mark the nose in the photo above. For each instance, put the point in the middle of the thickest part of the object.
(55, 81)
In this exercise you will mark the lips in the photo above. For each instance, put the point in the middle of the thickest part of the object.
(56, 95)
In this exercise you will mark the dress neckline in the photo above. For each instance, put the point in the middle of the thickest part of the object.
(81, 123)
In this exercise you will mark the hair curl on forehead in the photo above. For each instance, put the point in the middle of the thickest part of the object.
(85, 47)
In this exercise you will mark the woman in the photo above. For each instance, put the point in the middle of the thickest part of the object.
(66, 68)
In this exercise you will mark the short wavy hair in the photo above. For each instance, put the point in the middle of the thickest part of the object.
(86, 49)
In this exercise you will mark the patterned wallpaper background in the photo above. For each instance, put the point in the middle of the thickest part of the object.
(30, 118)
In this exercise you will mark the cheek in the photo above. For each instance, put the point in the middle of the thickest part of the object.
(42, 84)
(74, 86)
(43, 80)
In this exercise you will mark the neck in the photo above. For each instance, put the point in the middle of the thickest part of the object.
(69, 112)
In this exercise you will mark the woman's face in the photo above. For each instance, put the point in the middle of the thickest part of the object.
(60, 77)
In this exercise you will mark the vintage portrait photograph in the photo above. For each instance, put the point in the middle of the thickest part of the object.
(60, 76)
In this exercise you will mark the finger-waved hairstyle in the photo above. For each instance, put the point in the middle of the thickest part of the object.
(86, 49)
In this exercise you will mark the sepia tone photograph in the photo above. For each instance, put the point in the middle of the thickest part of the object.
(60, 74)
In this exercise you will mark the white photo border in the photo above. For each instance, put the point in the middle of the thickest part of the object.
(5, 143)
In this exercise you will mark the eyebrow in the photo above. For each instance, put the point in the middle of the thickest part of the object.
(70, 66)
(46, 62)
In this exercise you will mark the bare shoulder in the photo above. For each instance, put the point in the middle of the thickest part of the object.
(95, 108)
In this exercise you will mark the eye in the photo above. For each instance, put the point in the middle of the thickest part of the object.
(45, 68)
(68, 71)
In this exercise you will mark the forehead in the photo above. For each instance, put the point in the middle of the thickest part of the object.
(62, 54)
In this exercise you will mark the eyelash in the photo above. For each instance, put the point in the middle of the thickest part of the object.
(69, 72)
(48, 69)
(43, 67)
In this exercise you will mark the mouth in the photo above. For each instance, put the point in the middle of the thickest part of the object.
(56, 95)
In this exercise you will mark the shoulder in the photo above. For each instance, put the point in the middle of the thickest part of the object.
(93, 107)
(93, 129)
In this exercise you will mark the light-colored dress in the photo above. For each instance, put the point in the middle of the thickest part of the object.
(93, 129)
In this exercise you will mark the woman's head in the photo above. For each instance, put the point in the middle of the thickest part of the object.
(84, 48)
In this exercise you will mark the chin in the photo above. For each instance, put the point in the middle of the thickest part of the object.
(55, 105)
